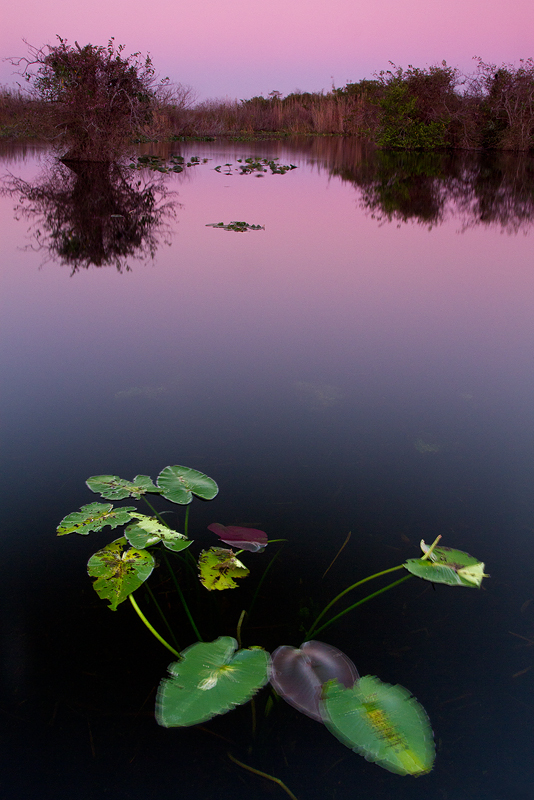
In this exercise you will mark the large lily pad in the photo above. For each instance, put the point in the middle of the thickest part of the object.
(179, 484)
(445, 565)
(218, 567)
(114, 488)
(119, 571)
(211, 679)
(381, 722)
(147, 531)
(94, 517)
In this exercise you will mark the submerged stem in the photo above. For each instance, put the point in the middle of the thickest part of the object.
(345, 591)
(152, 630)
(241, 618)
(280, 783)
(162, 615)
(265, 571)
(182, 598)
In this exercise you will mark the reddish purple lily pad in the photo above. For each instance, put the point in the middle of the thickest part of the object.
(299, 675)
(245, 538)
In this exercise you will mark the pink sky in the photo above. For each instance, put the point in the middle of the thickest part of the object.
(239, 48)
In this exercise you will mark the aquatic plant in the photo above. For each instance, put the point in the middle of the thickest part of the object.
(175, 163)
(245, 538)
(383, 723)
(257, 166)
(239, 227)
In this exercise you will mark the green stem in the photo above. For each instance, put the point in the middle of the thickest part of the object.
(158, 516)
(265, 571)
(151, 628)
(186, 520)
(241, 618)
(431, 549)
(280, 783)
(349, 589)
(162, 615)
(182, 598)
(315, 631)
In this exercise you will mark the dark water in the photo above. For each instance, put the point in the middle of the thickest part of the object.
(363, 364)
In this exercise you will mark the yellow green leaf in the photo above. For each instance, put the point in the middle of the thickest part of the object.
(218, 567)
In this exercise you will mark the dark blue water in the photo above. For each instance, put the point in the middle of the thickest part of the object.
(363, 364)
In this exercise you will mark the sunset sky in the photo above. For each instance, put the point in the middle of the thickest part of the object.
(241, 48)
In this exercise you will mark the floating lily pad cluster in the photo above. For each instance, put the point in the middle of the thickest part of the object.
(383, 723)
(239, 227)
(246, 166)
(119, 571)
(257, 166)
(174, 163)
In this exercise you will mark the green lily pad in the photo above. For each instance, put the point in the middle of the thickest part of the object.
(147, 531)
(445, 565)
(218, 567)
(119, 572)
(179, 484)
(114, 488)
(383, 723)
(94, 517)
(211, 679)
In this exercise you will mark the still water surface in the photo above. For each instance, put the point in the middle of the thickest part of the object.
(363, 364)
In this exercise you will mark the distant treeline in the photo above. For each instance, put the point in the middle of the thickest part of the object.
(408, 109)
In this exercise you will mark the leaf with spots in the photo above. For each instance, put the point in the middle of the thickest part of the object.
(383, 723)
(94, 517)
(147, 531)
(218, 567)
(114, 488)
(179, 484)
(119, 571)
(445, 565)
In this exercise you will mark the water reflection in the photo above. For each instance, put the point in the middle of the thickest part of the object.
(333, 375)
(89, 213)
(428, 188)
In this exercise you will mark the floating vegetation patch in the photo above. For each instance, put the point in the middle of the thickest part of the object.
(423, 446)
(174, 163)
(256, 166)
(140, 391)
(240, 227)
(319, 395)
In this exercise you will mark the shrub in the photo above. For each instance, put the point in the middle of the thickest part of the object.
(417, 107)
(96, 96)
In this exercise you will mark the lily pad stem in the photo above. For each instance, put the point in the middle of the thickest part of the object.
(182, 598)
(345, 591)
(314, 631)
(158, 516)
(152, 630)
(280, 783)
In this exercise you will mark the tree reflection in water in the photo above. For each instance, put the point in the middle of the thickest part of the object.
(490, 189)
(87, 213)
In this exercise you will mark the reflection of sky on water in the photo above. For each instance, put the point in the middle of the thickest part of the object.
(331, 374)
